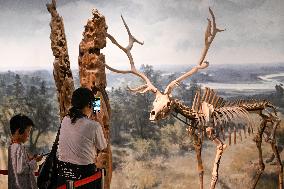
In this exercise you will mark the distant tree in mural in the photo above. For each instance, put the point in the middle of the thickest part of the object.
(42, 111)
(36, 101)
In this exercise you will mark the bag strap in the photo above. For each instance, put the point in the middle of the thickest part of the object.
(55, 144)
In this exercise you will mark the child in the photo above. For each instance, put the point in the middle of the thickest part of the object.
(21, 167)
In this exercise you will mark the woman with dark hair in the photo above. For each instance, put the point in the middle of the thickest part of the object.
(79, 140)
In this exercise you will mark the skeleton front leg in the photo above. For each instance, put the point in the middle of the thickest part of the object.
(198, 149)
(220, 148)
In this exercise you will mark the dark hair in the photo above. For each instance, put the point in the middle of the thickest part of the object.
(81, 98)
(20, 122)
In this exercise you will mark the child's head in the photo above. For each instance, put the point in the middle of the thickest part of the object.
(20, 127)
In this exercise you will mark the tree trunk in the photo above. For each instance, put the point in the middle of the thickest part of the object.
(92, 75)
(61, 65)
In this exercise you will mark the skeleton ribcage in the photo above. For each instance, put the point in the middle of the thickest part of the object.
(229, 117)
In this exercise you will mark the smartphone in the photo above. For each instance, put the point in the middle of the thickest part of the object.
(96, 104)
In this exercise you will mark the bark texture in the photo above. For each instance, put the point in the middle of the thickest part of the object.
(61, 66)
(92, 75)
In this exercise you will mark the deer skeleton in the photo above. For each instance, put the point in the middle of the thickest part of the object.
(207, 114)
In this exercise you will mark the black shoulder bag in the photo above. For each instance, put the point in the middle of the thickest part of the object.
(47, 178)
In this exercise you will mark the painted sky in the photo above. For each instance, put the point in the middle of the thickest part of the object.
(173, 31)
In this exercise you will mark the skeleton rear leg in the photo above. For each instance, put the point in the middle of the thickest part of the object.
(220, 148)
(280, 166)
(275, 150)
(258, 141)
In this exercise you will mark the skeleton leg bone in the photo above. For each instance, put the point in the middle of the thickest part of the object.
(198, 149)
(258, 141)
(220, 148)
(275, 150)
(280, 166)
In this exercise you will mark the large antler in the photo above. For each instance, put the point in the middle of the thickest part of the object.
(210, 34)
(141, 89)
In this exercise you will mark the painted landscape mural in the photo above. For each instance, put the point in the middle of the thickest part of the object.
(246, 62)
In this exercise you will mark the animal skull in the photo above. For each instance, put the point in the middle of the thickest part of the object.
(161, 107)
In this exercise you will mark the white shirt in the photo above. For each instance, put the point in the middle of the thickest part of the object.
(20, 169)
(78, 142)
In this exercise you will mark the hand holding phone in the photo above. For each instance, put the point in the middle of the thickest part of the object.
(38, 158)
(98, 117)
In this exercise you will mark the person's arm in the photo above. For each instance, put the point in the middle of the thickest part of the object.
(98, 117)
(23, 165)
(100, 141)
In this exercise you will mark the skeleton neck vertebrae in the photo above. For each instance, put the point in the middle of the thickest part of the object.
(182, 109)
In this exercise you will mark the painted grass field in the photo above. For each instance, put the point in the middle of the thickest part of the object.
(237, 168)
(179, 172)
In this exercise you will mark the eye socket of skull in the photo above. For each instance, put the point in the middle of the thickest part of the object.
(153, 112)
(168, 103)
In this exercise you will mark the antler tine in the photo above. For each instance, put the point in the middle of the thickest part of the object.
(132, 39)
(113, 40)
(141, 89)
(210, 34)
(117, 71)
(144, 88)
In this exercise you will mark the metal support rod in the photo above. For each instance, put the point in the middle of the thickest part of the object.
(103, 179)
(70, 184)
